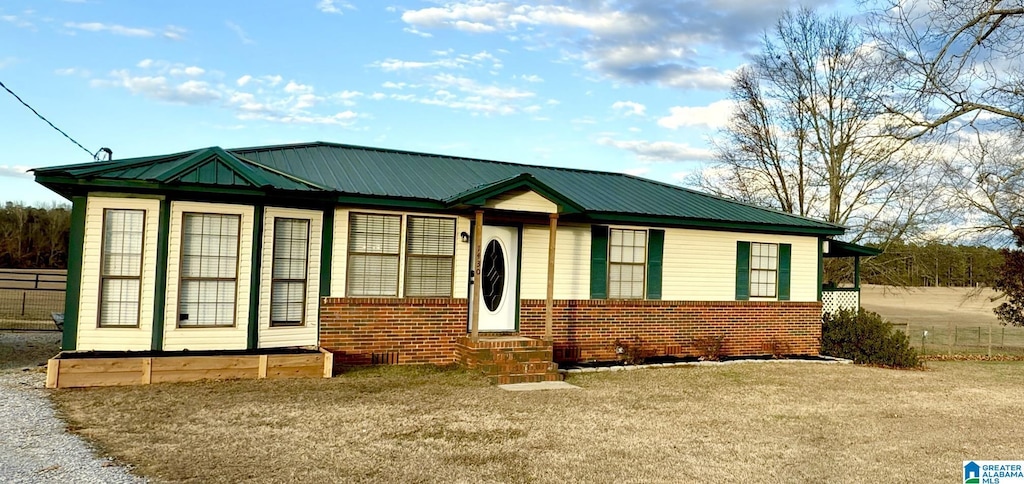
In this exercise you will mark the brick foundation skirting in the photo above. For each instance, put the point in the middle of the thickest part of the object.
(392, 330)
(426, 330)
(586, 330)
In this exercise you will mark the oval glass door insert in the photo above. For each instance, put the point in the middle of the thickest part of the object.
(493, 275)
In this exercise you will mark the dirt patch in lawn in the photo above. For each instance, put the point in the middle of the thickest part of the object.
(745, 422)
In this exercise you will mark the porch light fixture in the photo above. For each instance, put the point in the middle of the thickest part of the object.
(464, 237)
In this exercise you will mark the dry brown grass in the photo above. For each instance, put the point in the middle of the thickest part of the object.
(749, 422)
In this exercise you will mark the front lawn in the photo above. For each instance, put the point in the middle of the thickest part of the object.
(737, 423)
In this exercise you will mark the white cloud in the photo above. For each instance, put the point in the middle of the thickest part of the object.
(20, 22)
(531, 78)
(444, 60)
(240, 32)
(158, 87)
(639, 171)
(174, 33)
(466, 94)
(641, 41)
(345, 118)
(415, 31)
(295, 88)
(629, 108)
(187, 71)
(334, 6)
(251, 98)
(473, 27)
(659, 151)
(715, 115)
(398, 65)
(112, 28)
(15, 171)
(10, 61)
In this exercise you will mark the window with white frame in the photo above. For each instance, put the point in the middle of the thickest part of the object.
(429, 256)
(121, 267)
(209, 269)
(627, 263)
(289, 272)
(764, 267)
(373, 252)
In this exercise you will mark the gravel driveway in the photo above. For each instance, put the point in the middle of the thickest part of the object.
(34, 445)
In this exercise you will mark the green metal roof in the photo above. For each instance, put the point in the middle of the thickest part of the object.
(837, 248)
(347, 171)
(209, 166)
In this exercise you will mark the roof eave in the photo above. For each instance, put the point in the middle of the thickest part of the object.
(822, 230)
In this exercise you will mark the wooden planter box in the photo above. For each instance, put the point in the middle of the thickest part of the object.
(71, 370)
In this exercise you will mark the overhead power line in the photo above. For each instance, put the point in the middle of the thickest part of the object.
(47, 120)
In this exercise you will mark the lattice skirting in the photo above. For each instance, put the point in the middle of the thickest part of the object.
(832, 301)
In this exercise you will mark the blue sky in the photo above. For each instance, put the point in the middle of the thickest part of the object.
(628, 86)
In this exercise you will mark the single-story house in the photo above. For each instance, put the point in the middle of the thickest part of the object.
(380, 255)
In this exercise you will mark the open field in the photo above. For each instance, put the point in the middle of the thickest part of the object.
(936, 306)
(958, 315)
(745, 422)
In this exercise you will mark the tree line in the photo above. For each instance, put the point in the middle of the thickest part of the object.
(932, 264)
(34, 237)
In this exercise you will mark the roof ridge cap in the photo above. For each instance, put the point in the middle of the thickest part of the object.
(421, 153)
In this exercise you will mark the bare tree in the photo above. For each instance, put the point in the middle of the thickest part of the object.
(809, 134)
(958, 60)
(986, 179)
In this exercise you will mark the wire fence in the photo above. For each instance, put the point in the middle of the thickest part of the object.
(28, 298)
(950, 339)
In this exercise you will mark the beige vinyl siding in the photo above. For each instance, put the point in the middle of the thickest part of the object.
(208, 338)
(572, 262)
(307, 334)
(339, 253)
(522, 201)
(700, 265)
(463, 251)
(90, 336)
(339, 262)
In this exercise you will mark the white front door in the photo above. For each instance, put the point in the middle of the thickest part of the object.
(499, 278)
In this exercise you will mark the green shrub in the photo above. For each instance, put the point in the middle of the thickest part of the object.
(866, 338)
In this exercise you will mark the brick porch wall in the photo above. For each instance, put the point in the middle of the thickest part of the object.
(426, 330)
(590, 327)
(419, 330)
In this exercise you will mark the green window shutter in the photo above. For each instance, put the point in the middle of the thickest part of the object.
(785, 256)
(598, 262)
(655, 251)
(742, 271)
